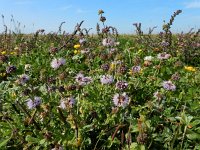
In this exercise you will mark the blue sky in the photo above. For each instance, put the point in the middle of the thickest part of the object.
(48, 14)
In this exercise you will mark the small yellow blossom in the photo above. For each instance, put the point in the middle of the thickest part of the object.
(76, 51)
(13, 53)
(3, 52)
(3, 74)
(130, 72)
(13, 95)
(77, 46)
(112, 66)
(190, 68)
(140, 50)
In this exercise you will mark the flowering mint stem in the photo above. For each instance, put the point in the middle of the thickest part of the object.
(26, 112)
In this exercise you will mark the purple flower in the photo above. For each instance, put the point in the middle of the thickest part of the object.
(32, 104)
(136, 69)
(163, 56)
(168, 85)
(24, 78)
(82, 41)
(164, 43)
(56, 63)
(121, 100)
(82, 80)
(107, 79)
(37, 101)
(121, 85)
(67, 103)
(109, 42)
(11, 69)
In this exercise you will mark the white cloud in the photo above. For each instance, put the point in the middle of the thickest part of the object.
(193, 4)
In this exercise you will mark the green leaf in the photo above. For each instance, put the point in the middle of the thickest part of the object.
(142, 147)
(134, 146)
(193, 136)
(42, 141)
(31, 139)
(3, 143)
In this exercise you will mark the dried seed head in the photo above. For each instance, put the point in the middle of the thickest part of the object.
(100, 12)
(122, 69)
(3, 58)
(102, 19)
(142, 138)
(71, 87)
(105, 67)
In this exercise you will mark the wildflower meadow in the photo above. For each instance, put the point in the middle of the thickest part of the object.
(100, 91)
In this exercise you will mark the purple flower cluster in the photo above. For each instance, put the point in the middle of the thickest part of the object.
(107, 79)
(82, 80)
(136, 69)
(11, 69)
(23, 79)
(34, 103)
(56, 63)
(163, 56)
(109, 42)
(168, 85)
(121, 85)
(67, 103)
(121, 100)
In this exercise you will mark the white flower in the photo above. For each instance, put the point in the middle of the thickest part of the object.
(109, 42)
(69, 102)
(85, 51)
(164, 55)
(27, 67)
(82, 80)
(148, 58)
(56, 63)
(107, 79)
(121, 100)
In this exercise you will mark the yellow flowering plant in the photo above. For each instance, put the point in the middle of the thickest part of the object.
(77, 46)
(190, 68)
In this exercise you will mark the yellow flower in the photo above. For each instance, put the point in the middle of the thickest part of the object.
(112, 66)
(77, 46)
(190, 68)
(3, 74)
(130, 72)
(13, 53)
(13, 95)
(3, 52)
(140, 50)
(76, 51)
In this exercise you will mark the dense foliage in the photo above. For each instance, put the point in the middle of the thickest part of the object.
(103, 91)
